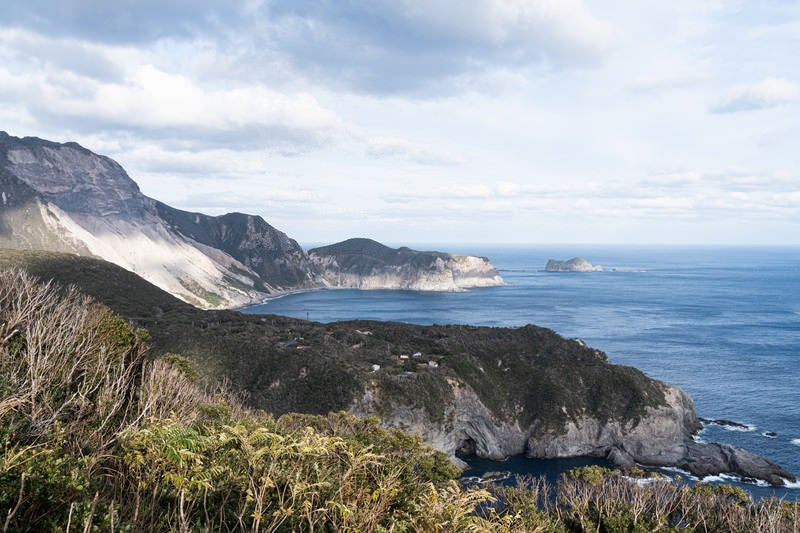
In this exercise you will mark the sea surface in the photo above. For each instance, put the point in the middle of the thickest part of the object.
(723, 323)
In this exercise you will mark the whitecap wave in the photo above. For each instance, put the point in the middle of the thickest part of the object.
(698, 437)
(643, 481)
(745, 429)
(488, 477)
(721, 478)
(796, 442)
(676, 470)
(733, 478)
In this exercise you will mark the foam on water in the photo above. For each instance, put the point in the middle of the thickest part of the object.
(488, 477)
(682, 473)
(644, 481)
(747, 429)
(732, 478)
(796, 442)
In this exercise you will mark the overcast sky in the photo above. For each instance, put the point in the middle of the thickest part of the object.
(410, 121)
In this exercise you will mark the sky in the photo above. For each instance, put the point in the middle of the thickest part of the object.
(437, 121)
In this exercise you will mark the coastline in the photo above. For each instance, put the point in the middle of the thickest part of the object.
(710, 319)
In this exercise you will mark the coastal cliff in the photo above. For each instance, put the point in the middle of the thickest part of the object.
(661, 437)
(366, 264)
(62, 197)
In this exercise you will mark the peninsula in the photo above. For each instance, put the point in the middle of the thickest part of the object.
(367, 264)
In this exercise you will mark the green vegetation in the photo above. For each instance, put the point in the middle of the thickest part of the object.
(96, 436)
(287, 365)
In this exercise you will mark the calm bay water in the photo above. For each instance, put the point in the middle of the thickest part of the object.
(722, 323)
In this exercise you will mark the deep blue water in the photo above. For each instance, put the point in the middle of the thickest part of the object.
(723, 323)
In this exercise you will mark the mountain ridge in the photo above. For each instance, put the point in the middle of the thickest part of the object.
(64, 197)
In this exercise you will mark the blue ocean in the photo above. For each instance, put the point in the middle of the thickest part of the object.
(723, 323)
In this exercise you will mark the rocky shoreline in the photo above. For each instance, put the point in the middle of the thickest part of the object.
(663, 438)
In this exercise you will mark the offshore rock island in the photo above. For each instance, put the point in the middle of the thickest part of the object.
(576, 264)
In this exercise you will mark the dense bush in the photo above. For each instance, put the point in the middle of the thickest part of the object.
(97, 437)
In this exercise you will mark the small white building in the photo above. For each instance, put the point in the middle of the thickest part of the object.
(375, 368)
(433, 364)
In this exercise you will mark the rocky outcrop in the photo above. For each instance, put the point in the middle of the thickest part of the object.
(366, 264)
(662, 437)
(576, 264)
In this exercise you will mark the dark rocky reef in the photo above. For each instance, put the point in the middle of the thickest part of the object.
(703, 459)
(725, 423)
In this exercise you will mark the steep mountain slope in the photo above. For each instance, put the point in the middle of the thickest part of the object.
(63, 197)
(249, 239)
(366, 264)
(489, 391)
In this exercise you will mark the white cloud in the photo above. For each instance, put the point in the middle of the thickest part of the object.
(480, 119)
(770, 92)
(407, 47)
(409, 151)
(153, 99)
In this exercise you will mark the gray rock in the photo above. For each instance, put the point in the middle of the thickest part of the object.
(711, 459)
(662, 438)
(576, 264)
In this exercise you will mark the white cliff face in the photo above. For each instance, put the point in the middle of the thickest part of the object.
(658, 438)
(165, 259)
(471, 271)
(465, 420)
(418, 271)
(661, 437)
(62, 197)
